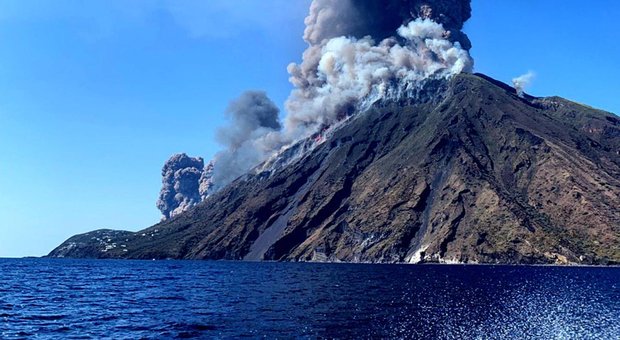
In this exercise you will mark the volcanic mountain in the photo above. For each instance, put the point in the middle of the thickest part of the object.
(467, 171)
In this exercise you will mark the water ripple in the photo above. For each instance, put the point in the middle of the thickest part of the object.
(77, 299)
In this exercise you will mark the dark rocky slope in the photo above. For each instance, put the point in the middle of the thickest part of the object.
(472, 174)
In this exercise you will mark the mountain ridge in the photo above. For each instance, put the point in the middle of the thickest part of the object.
(474, 174)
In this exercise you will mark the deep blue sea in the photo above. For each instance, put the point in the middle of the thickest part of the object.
(80, 299)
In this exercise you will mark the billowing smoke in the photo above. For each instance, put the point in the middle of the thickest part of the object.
(521, 82)
(251, 137)
(205, 186)
(351, 71)
(372, 50)
(180, 191)
(380, 19)
(359, 52)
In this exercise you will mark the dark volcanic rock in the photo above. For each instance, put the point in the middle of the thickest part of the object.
(475, 175)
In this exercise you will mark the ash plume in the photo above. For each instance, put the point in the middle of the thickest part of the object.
(521, 82)
(359, 52)
(205, 183)
(251, 137)
(371, 50)
(379, 19)
(180, 184)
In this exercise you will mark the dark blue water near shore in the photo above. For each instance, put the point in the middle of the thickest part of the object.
(44, 298)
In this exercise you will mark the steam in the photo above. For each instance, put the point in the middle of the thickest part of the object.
(359, 53)
(521, 82)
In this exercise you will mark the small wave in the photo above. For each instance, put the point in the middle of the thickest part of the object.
(51, 317)
(170, 298)
(107, 318)
(193, 330)
(168, 278)
(135, 328)
(193, 327)
(62, 329)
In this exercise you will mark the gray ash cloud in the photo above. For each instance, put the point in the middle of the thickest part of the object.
(180, 184)
(187, 181)
(205, 184)
(251, 136)
(380, 19)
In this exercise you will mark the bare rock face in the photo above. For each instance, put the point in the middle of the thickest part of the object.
(181, 184)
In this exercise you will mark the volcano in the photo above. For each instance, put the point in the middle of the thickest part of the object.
(466, 172)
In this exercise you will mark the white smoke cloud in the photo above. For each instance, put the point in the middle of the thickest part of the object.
(523, 81)
(349, 70)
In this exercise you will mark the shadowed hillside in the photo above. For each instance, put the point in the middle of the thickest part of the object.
(468, 173)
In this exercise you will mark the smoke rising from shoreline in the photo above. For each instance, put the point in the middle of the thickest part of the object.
(180, 184)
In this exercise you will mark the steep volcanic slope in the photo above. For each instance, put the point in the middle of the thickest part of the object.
(469, 173)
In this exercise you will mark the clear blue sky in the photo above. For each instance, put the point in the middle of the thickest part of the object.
(96, 95)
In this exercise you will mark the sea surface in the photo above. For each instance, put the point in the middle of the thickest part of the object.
(81, 299)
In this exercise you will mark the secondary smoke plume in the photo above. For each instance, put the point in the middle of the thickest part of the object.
(521, 82)
(253, 134)
(205, 185)
(180, 190)
(359, 52)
